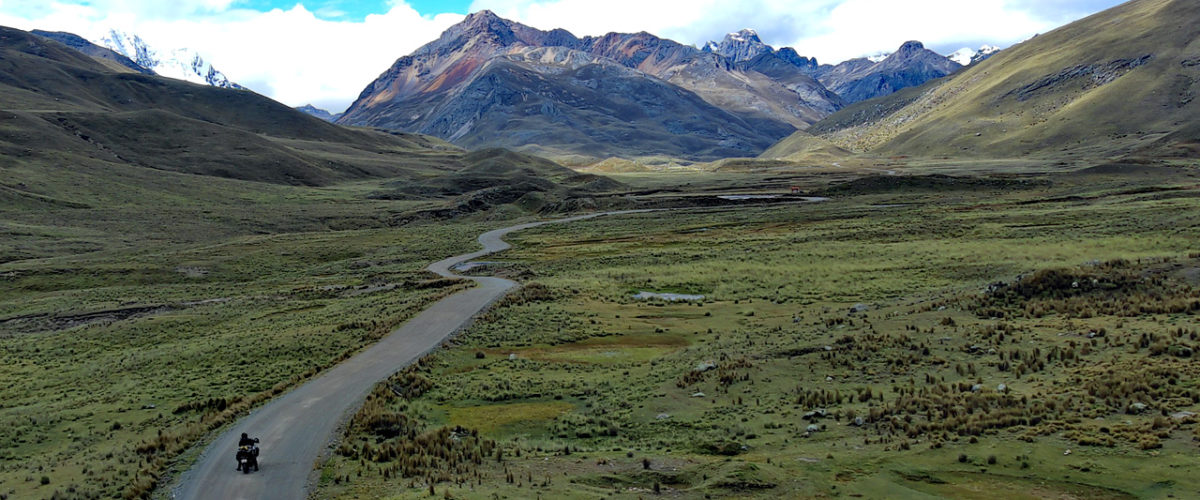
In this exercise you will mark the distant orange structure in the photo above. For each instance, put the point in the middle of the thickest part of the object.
(795, 189)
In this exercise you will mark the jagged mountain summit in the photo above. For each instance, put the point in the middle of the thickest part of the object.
(861, 79)
(181, 64)
(741, 46)
(488, 82)
(319, 113)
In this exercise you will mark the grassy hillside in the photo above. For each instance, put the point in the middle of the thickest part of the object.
(62, 108)
(1121, 82)
(804, 147)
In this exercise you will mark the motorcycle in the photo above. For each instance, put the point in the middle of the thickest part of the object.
(247, 456)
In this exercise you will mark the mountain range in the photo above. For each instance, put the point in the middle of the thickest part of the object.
(853, 80)
(80, 131)
(1118, 84)
(861, 79)
(489, 82)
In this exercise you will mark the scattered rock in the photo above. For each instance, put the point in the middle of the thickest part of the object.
(512, 357)
(706, 366)
(662, 416)
(1068, 452)
(813, 428)
(698, 395)
(1137, 407)
(858, 308)
(859, 422)
(977, 388)
(149, 406)
(1183, 415)
(1001, 388)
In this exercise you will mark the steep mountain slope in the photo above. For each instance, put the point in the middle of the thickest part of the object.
(860, 79)
(63, 109)
(492, 82)
(1122, 82)
(104, 55)
(182, 64)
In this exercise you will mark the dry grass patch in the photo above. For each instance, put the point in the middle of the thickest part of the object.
(489, 418)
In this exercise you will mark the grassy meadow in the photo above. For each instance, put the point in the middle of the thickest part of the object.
(128, 333)
(909, 338)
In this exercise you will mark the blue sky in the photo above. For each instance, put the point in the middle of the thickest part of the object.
(325, 52)
(357, 10)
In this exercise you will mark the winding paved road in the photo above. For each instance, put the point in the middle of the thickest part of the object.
(298, 428)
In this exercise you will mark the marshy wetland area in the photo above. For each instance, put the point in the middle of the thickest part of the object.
(942, 332)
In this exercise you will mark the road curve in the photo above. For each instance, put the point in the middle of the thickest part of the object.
(297, 428)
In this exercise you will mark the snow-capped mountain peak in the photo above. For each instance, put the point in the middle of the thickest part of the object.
(962, 56)
(182, 64)
(966, 56)
(745, 35)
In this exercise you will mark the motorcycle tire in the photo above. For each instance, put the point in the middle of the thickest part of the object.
(246, 468)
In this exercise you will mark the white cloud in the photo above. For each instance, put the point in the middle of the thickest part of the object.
(296, 57)
(831, 30)
(291, 55)
(858, 27)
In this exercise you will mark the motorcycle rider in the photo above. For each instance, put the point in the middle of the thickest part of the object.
(247, 447)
